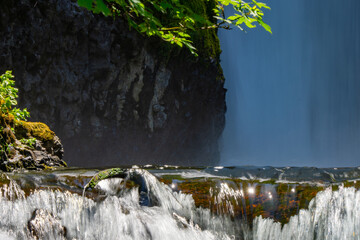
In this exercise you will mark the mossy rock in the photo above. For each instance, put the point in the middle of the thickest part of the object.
(15, 153)
(108, 173)
(35, 129)
(286, 198)
(206, 41)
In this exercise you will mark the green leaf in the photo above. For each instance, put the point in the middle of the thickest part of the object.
(102, 8)
(232, 18)
(261, 5)
(248, 23)
(174, 21)
(86, 4)
(265, 26)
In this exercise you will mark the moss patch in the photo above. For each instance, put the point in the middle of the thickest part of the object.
(28, 145)
(206, 41)
(36, 129)
(280, 201)
(108, 173)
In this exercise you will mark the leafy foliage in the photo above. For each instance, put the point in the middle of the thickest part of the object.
(30, 142)
(173, 21)
(8, 96)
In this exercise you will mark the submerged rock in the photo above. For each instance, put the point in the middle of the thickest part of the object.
(44, 225)
(102, 175)
(129, 178)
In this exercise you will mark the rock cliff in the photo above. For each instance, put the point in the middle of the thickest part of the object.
(113, 96)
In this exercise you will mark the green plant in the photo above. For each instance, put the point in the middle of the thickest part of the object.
(8, 147)
(8, 96)
(29, 142)
(173, 21)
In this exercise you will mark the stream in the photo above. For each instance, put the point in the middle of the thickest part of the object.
(171, 202)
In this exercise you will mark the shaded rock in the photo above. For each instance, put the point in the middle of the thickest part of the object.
(113, 96)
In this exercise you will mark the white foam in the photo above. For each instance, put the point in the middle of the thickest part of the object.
(331, 216)
(116, 217)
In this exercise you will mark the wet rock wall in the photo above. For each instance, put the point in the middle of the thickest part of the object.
(113, 96)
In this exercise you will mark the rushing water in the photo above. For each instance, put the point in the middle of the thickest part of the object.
(293, 96)
(51, 206)
(331, 215)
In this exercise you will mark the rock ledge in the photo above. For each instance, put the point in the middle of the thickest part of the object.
(28, 145)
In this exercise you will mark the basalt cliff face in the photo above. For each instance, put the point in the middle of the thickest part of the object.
(112, 96)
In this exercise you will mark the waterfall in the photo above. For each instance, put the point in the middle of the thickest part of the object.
(331, 215)
(116, 217)
(117, 213)
(293, 96)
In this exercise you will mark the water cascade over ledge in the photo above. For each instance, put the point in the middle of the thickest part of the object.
(293, 96)
(177, 203)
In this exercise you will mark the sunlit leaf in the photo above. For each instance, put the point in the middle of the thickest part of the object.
(174, 21)
(265, 26)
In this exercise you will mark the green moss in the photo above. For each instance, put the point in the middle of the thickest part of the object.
(206, 41)
(108, 173)
(335, 187)
(36, 129)
(200, 191)
(281, 206)
(355, 184)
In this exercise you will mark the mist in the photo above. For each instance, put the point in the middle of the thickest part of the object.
(294, 96)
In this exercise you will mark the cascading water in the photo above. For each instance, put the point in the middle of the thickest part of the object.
(116, 217)
(244, 206)
(331, 215)
(293, 96)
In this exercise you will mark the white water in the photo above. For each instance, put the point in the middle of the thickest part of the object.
(332, 215)
(117, 217)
